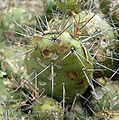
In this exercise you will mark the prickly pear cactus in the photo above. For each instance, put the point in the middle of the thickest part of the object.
(13, 20)
(47, 108)
(102, 42)
(97, 35)
(105, 102)
(60, 59)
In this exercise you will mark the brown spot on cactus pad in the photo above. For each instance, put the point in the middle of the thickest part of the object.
(61, 49)
(46, 52)
(73, 75)
(81, 82)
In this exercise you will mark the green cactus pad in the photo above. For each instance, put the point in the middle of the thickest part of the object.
(13, 21)
(102, 41)
(19, 14)
(47, 108)
(107, 97)
(69, 59)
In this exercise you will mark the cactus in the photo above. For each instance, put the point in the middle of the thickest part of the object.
(13, 20)
(47, 108)
(102, 42)
(106, 101)
(60, 54)
(61, 60)
(97, 35)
